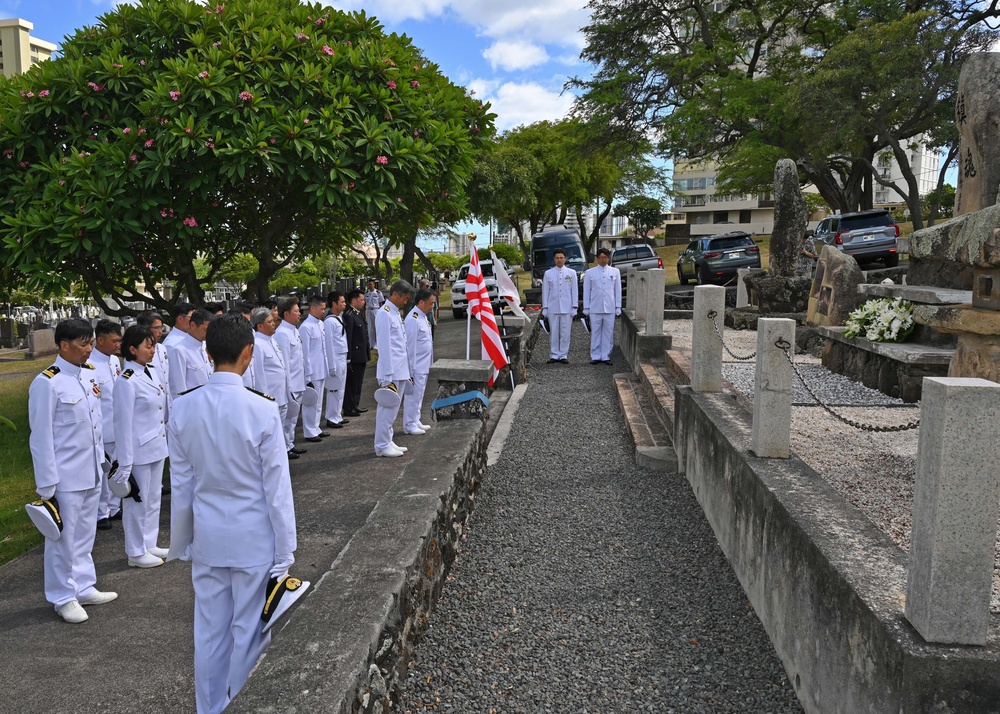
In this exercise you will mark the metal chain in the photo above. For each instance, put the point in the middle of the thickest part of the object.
(785, 346)
(712, 314)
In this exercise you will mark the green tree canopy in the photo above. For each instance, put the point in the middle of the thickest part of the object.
(745, 83)
(644, 213)
(173, 130)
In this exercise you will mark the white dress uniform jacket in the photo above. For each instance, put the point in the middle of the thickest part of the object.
(108, 368)
(420, 352)
(314, 364)
(393, 366)
(559, 300)
(269, 373)
(189, 366)
(290, 344)
(602, 301)
(336, 353)
(161, 372)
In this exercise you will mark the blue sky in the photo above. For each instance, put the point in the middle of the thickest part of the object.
(516, 54)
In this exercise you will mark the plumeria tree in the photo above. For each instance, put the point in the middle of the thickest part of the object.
(173, 131)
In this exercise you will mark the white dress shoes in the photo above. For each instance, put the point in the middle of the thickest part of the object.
(146, 560)
(157, 552)
(415, 432)
(73, 613)
(96, 597)
(391, 452)
(423, 426)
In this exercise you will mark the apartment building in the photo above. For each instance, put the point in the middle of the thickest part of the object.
(18, 49)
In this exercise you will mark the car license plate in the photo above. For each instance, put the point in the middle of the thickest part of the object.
(735, 254)
(869, 237)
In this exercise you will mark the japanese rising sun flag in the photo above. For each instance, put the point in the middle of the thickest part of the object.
(480, 307)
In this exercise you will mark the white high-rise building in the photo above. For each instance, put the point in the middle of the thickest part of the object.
(18, 49)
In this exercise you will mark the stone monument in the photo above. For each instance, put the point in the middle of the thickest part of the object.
(790, 219)
(977, 117)
(834, 292)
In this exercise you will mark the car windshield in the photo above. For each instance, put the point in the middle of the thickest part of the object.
(876, 220)
(729, 242)
(487, 269)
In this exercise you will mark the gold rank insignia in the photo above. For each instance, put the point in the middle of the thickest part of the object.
(51, 371)
(127, 374)
(260, 394)
(88, 365)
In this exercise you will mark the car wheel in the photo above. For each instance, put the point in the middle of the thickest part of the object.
(458, 313)
(704, 276)
(892, 261)
(681, 276)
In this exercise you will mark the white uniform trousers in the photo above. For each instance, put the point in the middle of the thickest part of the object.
(312, 414)
(560, 325)
(413, 401)
(385, 416)
(69, 567)
(228, 632)
(290, 418)
(108, 505)
(370, 319)
(141, 521)
(335, 395)
(602, 335)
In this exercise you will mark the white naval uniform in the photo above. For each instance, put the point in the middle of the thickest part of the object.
(189, 365)
(232, 514)
(173, 338)
(289, 343)
(420, 352)
(67, 451)
(314, 365)
(373, 301)
(602, 301)
(559, 302)
(108, 367)
(336, 379)
(393, 366)
(161, 364)
(141, 439)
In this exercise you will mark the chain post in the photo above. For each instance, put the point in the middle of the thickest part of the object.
(712, 314)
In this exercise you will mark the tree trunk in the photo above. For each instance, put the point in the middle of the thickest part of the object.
(406, 263)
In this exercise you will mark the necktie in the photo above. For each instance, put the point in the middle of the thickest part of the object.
(146, 370)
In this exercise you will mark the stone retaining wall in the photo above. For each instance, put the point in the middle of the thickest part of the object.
(638, 347)
(345, 649)
(827, 585)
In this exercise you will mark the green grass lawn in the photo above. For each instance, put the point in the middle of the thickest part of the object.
(17, 481)
(24, 365)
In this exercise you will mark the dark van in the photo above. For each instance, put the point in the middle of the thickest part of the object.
(544, 244)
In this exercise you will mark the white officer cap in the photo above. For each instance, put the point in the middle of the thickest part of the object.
(282, 593)
(44, 513)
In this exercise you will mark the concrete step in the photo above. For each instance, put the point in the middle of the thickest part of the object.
(653, 441)
(677, 367)
(660, 393)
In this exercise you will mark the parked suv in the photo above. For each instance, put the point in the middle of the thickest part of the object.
(640, 256)
(715, 259)
(866, 235)
(459, 303)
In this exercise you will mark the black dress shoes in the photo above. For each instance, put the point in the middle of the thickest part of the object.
(292, 455)
(323, 434)
(296, 450)
(314, 439)
(564, 360)
(338, 425)
(362, 410)
(353, 413)
(552, 360)
(103, 524)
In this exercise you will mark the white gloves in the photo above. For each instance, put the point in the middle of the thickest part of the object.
(122, 474)
(333, 372)
(282, 562)
(618, 312)
(46, 492)
(586, 313)
(545, 312)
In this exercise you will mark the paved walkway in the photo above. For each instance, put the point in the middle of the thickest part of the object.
(587, 584)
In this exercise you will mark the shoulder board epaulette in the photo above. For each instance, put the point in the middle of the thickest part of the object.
(51, 371)
(88, 365)
(386, 308)
(413, 314)
(127, 374)
(258, 393)
(188, 391)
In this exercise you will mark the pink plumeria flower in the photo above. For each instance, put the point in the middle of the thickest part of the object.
(390, 84)
(190, 222)
(126, 130)
(43, 93)
(175, 95)
(149, 143)
(414, 84)
(327, 50)
(246, 96)
(382, 160)
(203, 75)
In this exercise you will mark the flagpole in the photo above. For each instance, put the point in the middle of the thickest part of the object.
(468, 307)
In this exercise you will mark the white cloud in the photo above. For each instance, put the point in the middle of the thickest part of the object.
(522, 103)
(514, 55)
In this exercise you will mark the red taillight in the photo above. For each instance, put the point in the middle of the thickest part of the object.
(837, 239)
(713, 254)
(896, 226)
(753, 249)
(659, 262)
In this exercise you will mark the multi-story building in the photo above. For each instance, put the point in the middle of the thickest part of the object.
(924, 163)
(18, 49)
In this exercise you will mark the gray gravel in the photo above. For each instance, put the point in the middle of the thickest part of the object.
(833, 389)
(586, 584)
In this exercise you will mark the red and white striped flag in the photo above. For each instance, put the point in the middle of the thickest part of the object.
(480, 307)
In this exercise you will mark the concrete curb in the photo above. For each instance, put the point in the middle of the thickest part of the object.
(504, 425)
(345, 648)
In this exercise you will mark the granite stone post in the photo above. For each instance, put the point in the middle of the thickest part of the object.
(772, 390)
(742, 296)
(977, 113)
(956, 495)
(790, 219)
(458, 376)
(655, 282)
(706, 348)
(631, 274)
(640, 286)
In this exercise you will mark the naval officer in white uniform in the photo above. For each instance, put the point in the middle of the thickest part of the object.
(107, 345)
(373, 302)
(336, 352)
(315, 367)
(559, 296)
(420, 352)
(290, 344)
(67, 453)
(141, 446)
(231, 512)
(602, 302)
(160, 366)
(268, 367)
(393, 365)
(189, 364)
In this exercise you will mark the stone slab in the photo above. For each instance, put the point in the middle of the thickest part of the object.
(955, 319)
(41, 343)
(905, 352)
(922, 294)
(827, 585)
(657, 458)
(461, 370)
(956, 495)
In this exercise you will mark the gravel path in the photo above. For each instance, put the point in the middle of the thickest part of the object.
(586, 584)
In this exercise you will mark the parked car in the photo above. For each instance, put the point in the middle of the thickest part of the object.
(640, 256)
(866, 235)
(459, 303)
(715, 259)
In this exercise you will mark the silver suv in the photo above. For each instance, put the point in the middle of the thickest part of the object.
(716, 259)
(865, 235)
